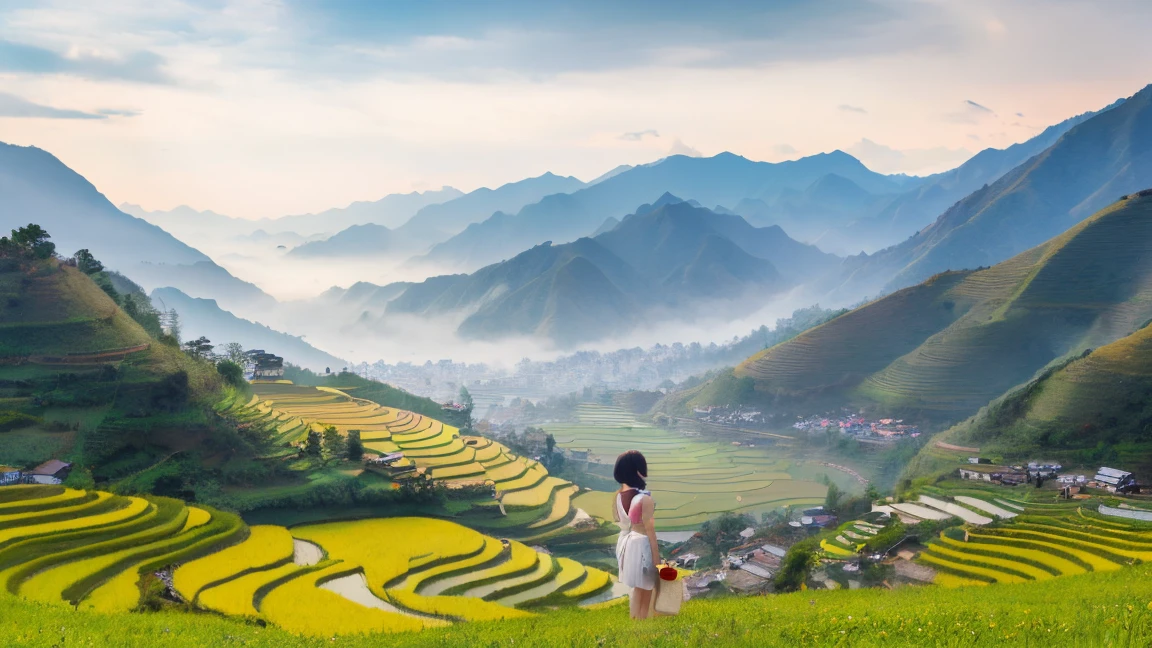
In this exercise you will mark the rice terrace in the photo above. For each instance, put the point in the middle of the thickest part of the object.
(606, 325)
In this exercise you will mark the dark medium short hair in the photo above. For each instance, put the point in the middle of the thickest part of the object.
(629, 467)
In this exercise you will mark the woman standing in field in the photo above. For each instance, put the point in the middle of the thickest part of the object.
(636, 550)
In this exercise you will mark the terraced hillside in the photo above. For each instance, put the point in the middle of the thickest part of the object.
(695, 479)
(82, 381)
(1032, 540)
(98, 551)
(1094, 408)
(537, 505)
(946, 347)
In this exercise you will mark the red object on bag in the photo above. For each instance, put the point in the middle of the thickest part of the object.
(668, 573)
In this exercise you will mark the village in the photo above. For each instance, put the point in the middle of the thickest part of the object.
(857, 425)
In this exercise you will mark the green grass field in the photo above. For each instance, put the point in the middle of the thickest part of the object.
(1111, 609)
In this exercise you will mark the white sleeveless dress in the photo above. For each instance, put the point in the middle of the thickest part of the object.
(633, 552)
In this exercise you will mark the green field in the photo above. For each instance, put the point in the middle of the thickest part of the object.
(1111, 609)
(693, 479)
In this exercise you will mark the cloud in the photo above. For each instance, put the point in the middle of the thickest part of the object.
(978, 107)
(1019, 114)
(974, 137)
(117, 112)
(680, 148)
(852, 109)
(638, 135)
(885, 159)
(784, 149)
(141, 66)
(465, 40)
(13, 106)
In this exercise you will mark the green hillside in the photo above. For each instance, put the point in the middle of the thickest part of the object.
(82, 381)
(944, 348)
(1094, 409)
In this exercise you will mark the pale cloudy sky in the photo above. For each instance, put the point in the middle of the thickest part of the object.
(267, 107)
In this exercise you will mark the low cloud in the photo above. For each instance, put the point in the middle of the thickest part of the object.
(13, 106)
(973, 104)
(680, 148)
(117, 112)
(784, 149)
(852, 109)
(141, 66)
(638, 136)
(1019, 114)
(885, 159)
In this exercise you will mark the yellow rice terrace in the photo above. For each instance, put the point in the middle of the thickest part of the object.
(108, 553)
(534, 506)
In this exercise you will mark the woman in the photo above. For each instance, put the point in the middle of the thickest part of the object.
(636, 550)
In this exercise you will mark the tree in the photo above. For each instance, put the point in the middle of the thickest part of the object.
(465, 397)
(832, 499)
(33, 241)
(355, 450)
(234, 351)
(232, 373)
(200, 348)
(312, 445)
(170, 321)
(801, 558)
(87, 263)
(550, 443)
(334, 442)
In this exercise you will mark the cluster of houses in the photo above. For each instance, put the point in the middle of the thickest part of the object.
(50, 472)
(729, 415)
(1112, 480)
(859, 426)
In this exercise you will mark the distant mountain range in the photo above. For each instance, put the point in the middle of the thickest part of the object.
(670, 257)
(37, 187)
(391, 211)
(1096, 160)
(945, 347)
(725, 179)
(204, 317)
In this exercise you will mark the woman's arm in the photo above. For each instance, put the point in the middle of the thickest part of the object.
(649, 514)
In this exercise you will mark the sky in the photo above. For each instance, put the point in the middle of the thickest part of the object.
(258, 108)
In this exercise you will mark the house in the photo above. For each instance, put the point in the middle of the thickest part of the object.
(979, 460)
(52, 471)
(10, 475)
(688, 560)
(978, 475)
(1117, 481)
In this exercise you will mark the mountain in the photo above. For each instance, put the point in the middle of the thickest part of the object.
(436, 223)
(204, 317)
(943, 348)
(818, 212)
(660, 237)
(1095, 161)
(670, 259)
(725, 179)
(390, 211)
(37, 187)
(608, 225)
(356, 241)
(915, 209)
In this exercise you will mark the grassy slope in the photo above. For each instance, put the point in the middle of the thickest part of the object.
(56, 311)
(1093, 409)
(946, 347)
(1111, 609)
